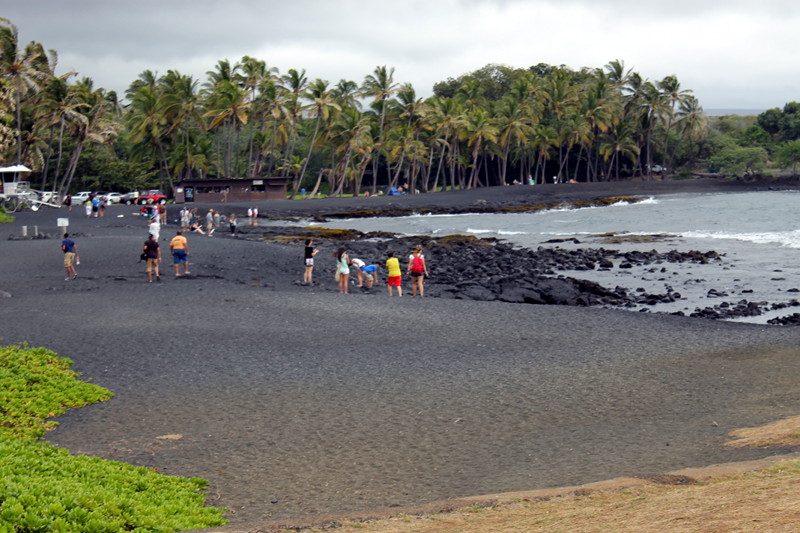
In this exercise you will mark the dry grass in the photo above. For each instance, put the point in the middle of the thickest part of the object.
(784, 432)
(763, 501)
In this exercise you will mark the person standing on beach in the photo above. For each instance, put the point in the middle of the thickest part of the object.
(310, 252)
(418, 270)
(232, 224)
(210, 223)
(70, 250)
(179, 247)
(394, 274)
(68, 202)
(342, 270)
(155, 226)
(153, 254)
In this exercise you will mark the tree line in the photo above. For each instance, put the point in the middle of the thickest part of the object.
(497, 125)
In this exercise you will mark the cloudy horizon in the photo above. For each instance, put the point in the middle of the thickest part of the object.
(731, 54)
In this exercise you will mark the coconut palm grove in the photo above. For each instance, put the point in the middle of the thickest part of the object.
(496, 125)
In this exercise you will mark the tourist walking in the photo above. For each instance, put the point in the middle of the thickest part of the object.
(394, 274)
(342, 270)
(155, 226)
(152, 254)
(310, 252)
(418, 270)
(179, 247)
(68, 202)
(87, 205)
(71, 258)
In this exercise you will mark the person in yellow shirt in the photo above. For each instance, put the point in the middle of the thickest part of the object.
(395, 275)
(179, 247)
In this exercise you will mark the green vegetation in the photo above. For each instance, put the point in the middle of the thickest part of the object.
(43, 488)
(4, 217)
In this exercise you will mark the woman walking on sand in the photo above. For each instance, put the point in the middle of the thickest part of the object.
(342, 270)
(418, 270)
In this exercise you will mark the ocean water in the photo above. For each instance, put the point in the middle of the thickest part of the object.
(758, 233)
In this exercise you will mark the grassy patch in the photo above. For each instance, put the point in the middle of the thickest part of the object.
(5, 217)
(44, 488)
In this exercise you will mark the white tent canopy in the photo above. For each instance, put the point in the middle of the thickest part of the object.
(15, 168)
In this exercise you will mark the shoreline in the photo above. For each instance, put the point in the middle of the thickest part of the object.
(329, 402)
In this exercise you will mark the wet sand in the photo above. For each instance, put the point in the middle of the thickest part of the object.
(332, 403)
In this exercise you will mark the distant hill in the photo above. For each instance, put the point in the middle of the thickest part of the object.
(723, 111)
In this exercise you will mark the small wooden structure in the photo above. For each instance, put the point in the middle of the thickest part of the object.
(231, 190)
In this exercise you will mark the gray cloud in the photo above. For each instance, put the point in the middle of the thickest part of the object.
(733, 53)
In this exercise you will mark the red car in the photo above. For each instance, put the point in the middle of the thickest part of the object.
(153, 196)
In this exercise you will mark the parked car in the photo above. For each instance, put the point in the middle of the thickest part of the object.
(153, 196)
(81, 197)
(111, 197)
(48, 196)
(129, 198)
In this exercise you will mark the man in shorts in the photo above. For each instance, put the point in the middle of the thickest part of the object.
(70, 256)
(179, 247)
(153, 254)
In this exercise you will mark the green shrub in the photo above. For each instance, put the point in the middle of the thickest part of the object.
(5, 218)
(44, 488)
(38, 385)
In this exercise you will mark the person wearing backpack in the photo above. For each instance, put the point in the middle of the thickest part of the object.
(418, 270)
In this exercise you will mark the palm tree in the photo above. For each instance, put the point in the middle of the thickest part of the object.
(180, 107)
(655, 107)
(25, 69)
(380, 86)
(147, 127)
(692, 122)
(671, 89)
(227, 107)
(98, 125)
(295, 82)
(514, 129)
(321, 106)
(254, 75)
(619, 143)
(480, 130)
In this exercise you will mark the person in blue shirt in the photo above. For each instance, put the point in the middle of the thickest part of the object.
(70, 257)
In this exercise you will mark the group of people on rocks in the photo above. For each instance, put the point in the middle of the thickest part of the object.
(191, 221)
(367, 273)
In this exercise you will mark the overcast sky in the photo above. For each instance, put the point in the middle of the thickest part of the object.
(731, 53)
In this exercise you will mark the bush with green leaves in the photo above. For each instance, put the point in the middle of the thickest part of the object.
(4, 217)
(44, 488)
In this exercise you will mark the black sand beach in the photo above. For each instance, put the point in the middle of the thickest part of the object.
(329, 403)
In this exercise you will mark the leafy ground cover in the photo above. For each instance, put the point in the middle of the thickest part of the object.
(44, 488)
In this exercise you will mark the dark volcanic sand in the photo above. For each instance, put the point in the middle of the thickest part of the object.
(337, 403)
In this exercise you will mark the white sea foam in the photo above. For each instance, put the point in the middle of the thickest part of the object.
(790, 239)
